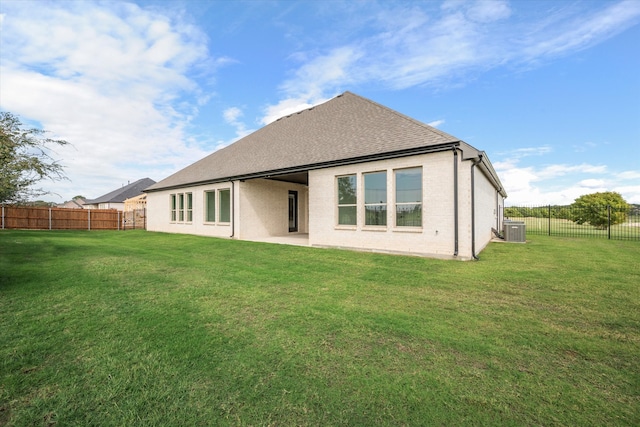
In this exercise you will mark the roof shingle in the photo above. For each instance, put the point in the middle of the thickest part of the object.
(345, 127)
(121, 194)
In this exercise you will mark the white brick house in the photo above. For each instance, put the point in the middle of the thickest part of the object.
(348, 173)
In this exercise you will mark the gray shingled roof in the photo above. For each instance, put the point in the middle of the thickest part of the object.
(345, 129)
(121, 194)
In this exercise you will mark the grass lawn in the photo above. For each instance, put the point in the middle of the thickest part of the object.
(137, 328)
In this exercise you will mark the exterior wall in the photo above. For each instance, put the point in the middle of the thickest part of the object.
(159, 212)
(112, 205)
(260, 210)
(107, 205)
(436, 236)
(465, 248)
(486, 210)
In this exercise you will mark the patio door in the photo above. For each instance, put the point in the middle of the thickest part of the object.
(293, 211)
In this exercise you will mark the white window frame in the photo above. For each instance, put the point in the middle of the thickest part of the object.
(188, 207)
(400, 204)
(346, 205)
(383, 204)
(173, 204)
(206, 207)
(219, 211)
(181, 207)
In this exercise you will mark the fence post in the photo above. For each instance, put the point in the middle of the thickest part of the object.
(549, 220)
(49, 219)
(89, 219)
(609, 222)
(3, 217)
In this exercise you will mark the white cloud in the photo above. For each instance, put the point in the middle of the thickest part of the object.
(558, 183)
(286, 107)
(109, 81)
(312, 81)
(561, 184)
(232, 115)
(579, 32)
(595, 184)
(486, 11)
(629, 175)
(411, 46)
(326, 71)
(436, 123)
(631, 193)
(519, 153)
(554, 171)
(627, 184)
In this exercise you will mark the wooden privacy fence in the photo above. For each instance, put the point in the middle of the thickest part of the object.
(60, 218)
(134, 219)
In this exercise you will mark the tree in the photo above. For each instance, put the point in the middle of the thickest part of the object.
(593, 209)
(25, 160)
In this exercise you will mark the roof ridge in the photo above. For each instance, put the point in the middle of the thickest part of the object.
(403, 116)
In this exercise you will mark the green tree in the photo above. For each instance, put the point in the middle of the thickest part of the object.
(25, 160)
(564, 213)
(593, 209)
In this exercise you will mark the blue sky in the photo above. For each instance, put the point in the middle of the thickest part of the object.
(549, 89)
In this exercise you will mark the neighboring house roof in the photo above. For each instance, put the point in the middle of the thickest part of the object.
(346, 129)
(121, 194)
(73, 204)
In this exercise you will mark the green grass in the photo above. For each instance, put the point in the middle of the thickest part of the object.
(136, 328)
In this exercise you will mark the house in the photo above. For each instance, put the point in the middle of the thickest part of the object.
(76, 203)
(116, 198)
(348, 173)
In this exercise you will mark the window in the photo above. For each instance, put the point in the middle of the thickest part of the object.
(210, 206)
(173, 207)
(409, 197)
(347, 200)
(375, 198)
(225, 205)
(181, 207)
(189, 197)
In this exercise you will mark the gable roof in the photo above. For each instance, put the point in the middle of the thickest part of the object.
(121, 194)
(346, 129)
(73, 204)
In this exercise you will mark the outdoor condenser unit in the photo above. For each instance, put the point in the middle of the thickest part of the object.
(514, 231)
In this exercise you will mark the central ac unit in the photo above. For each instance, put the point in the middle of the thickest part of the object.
(514, 231)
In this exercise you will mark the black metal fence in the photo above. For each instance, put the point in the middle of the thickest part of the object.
(606, 222)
